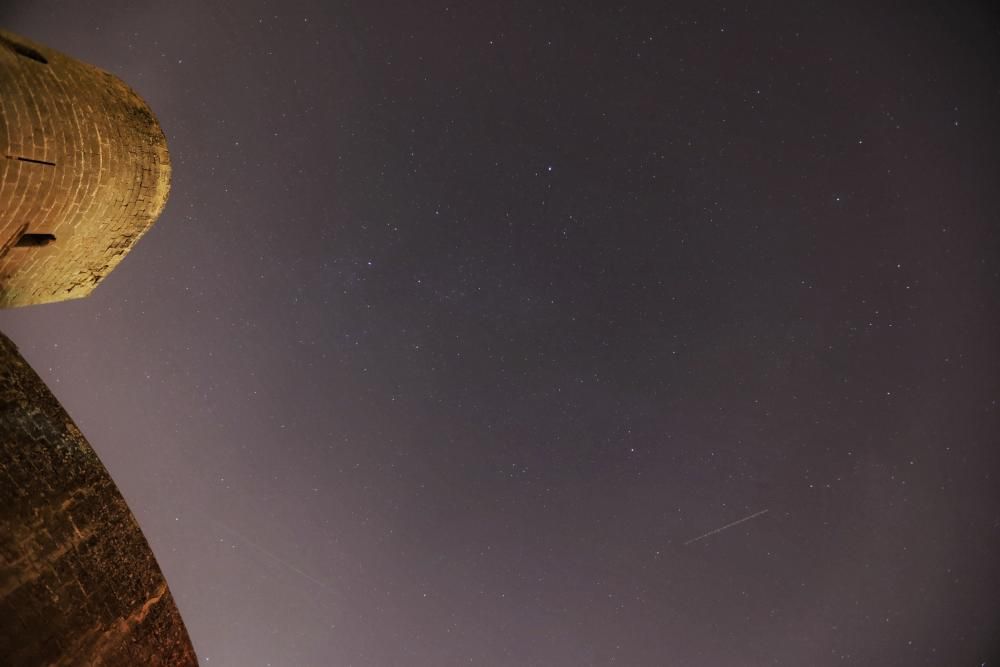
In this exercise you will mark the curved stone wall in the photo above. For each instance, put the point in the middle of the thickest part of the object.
(78, 582)
(84, 172)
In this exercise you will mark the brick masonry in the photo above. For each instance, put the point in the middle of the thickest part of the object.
(83, 160)
(84, 172)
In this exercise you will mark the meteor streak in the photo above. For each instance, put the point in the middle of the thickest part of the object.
(273, 556)
(728, 525)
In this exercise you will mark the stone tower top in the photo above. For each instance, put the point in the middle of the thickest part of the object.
(84, 172)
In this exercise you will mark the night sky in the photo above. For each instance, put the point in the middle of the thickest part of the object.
(465, 320)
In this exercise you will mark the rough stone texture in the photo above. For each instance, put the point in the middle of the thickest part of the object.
(82, 159)
(78, 582)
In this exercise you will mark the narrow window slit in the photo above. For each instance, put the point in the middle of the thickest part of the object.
(34, 240)
(25, 51)
(31, 160)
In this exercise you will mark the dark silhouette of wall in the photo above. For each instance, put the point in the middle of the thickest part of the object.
(84, 172)
(78, 582)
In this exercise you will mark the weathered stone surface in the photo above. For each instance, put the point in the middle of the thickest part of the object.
(78, 582)
(84, 172)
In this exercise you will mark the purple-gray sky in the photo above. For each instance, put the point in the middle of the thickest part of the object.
(465, 320)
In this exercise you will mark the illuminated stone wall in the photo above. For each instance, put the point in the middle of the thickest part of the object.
(84, 172)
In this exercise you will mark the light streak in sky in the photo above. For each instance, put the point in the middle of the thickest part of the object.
(271, 555)
(728, 525)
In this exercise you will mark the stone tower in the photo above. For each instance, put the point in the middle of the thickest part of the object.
(84, 172)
